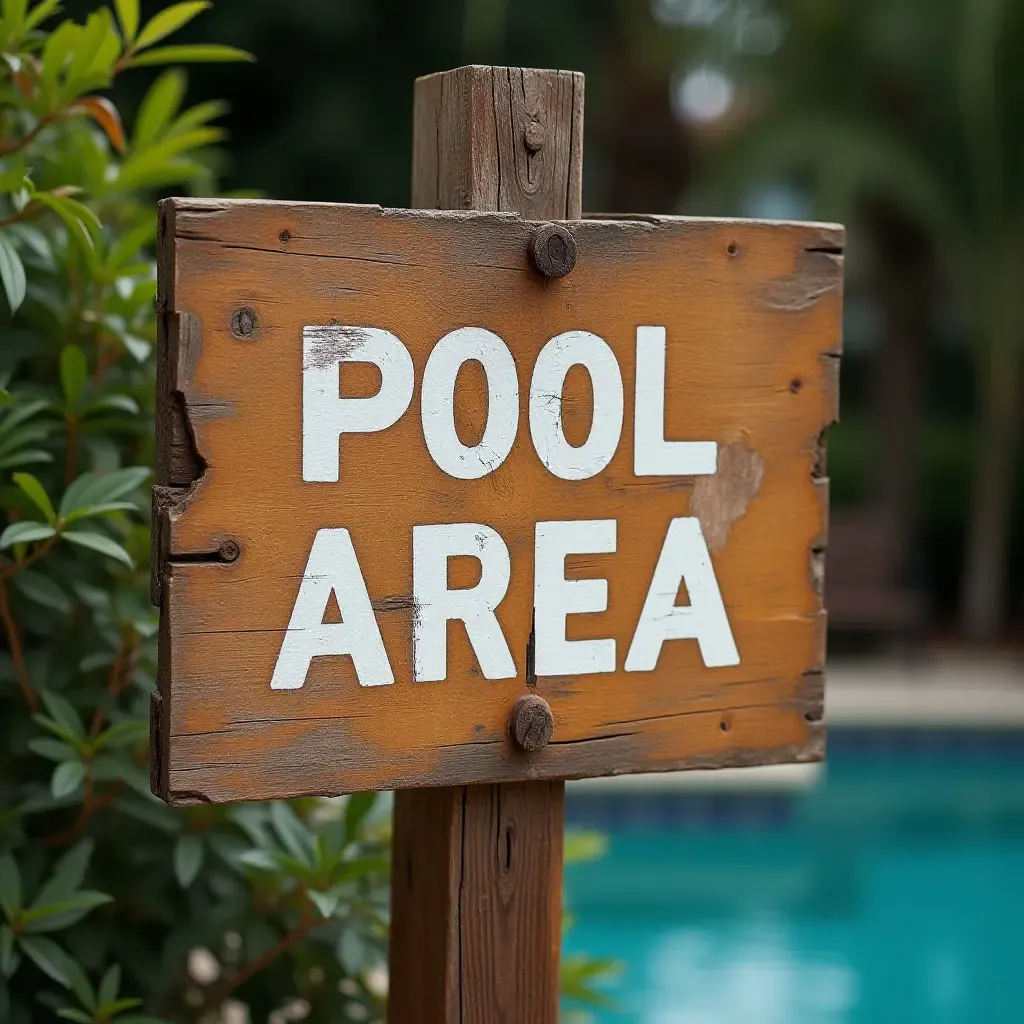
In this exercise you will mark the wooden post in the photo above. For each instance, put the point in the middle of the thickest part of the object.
(476, 884)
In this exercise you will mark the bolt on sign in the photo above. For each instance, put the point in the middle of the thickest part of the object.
(448, 498)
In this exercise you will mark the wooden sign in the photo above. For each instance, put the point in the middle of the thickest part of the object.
(411, 476)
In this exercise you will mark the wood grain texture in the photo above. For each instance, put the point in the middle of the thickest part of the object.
(476, 890)
(493, 138)
(734, 358)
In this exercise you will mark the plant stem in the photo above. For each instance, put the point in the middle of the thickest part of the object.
(17, 654)
(9, 570)
(90, 805)
(7, 147)
(308, 924)
(117, 678)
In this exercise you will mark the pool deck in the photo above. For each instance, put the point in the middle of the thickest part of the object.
(935, 690)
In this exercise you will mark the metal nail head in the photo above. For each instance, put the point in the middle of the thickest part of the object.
(229, 551)
(553, 250)
(531, 723)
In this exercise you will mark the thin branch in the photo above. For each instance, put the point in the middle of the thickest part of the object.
(91, 804)
(7, 571)
(118, 676)
(17, 654)
(26, 214)
(7, 147)
(308, 924)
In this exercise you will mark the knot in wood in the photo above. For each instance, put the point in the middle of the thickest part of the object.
(534, 136)
(243, 322)
(532, 723)
(553, 250)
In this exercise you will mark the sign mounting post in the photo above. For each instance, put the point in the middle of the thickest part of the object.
(466, 500)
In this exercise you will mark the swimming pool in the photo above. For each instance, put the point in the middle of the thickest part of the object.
(893, 891)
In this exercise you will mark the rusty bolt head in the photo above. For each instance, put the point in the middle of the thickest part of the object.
(229, 551)
(534, 136)
(553, 250)
(244, 322)
(531, 723)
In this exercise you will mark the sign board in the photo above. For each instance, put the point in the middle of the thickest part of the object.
(405, 479)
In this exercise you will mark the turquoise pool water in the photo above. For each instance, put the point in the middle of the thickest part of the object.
(892, 892)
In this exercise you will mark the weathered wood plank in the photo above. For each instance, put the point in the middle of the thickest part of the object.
(757, 378)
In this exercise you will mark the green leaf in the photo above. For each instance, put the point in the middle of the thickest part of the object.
(10, 886)
(37, 493)
(74, 371)
(79, 983)
(352, 950)
(98, 27)
(110, 986)
(67, 778)
(117, 1006)
(21, 413)
(161, 103)
(260, 859)
(128, 16)
(52, 750)
(188, 859)
(356, 809)
(54, 917)
(170, 20)
(62, 712)
(43, 590)
(8, 958)
(98, 542)
(41, 12)
(70, 1013)
(325, 902)
(293, 834)
(94, 511)
(68, 874)
(57, 50)
(48, 957)
(97, 489)
(25, 533)
(123, 734)
(12, 273)
(26, 457)
(119, 403)
(200, 53)
(14, 12)
(77, 229)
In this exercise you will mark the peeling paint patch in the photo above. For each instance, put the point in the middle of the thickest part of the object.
(817, 273)
(330, 345)
(719, 500)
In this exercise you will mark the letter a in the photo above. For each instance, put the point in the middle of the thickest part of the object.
(684, 558)
(332, 568)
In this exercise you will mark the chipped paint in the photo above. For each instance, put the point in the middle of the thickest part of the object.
(719, 500)
(816, 274)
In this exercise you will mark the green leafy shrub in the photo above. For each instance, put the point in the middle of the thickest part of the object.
(113, 906)
(107, 896)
